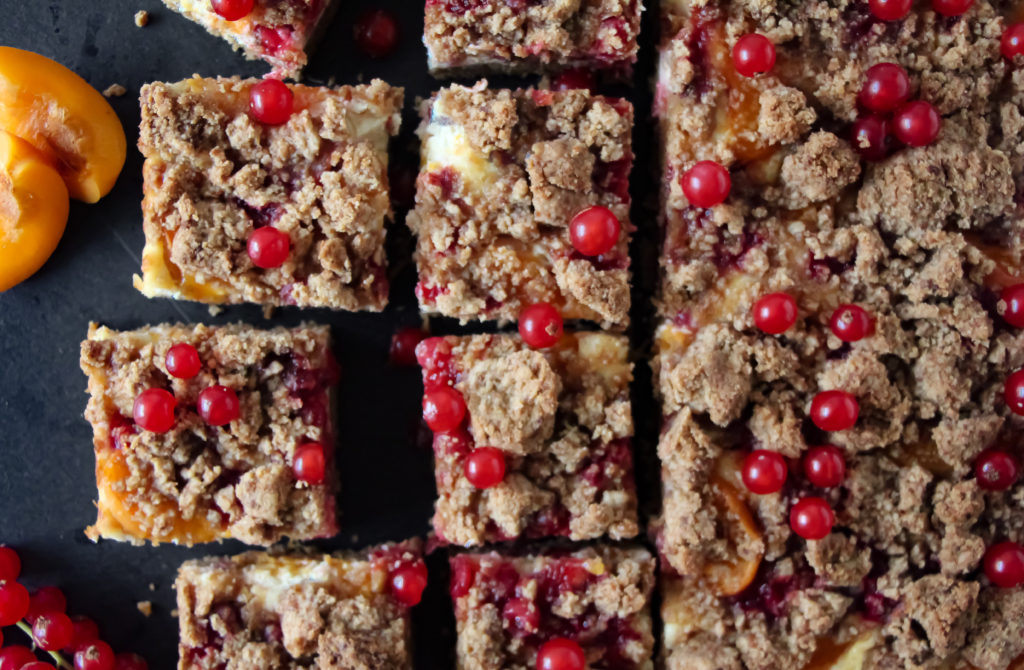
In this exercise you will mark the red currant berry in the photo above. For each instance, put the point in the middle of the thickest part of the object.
(443, 409)
(825, 466)
(10, 564)
(15, 657)
(1004, 565)
(951, 7)
(269, 247)
(573, 79)
(154, 410)
(890, 10)
(218, 405)
(811, 518)
(1013, 393)
(95, 655)
(886, 87)
(232, 10)
(706, 184)
(1013, 296)
(376, 32)
(764, 471)
(753, 54)
(594, 231)
(485, 467)
(870, 137)
(995, 470)
(917, 124)
(408, 583)
(540, 325)
(403, 346)
(129, 661)
(52, 631)
(271, 102)
(83, 630)
(851, 323)
(182, 361)
(463, 576)
(834, 410)
(561, 654)
(310, 464)
(38, 665)
(14, 601)
(1012, 43)
(775, 313)
(45, 600)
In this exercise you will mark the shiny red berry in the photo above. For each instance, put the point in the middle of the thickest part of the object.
(269, 247)
(52, 631)
(408, 583)
(45, 600)
(811, 518)
(753, 54)
(218, 405)
(83, 630)
(573, 79)
(825, 466)
(561, 654)
(870, 137)
(376, 32)
(485, 467)
(951, 7)
(95, 655)
(540, 325)
(917, 124)
(890, 10)
(1004, 565)
(310, 463)
(995, 470)
(775, 313)
(764, 471)
(443, 409)
(403, 345)
(1012, 43)
(16, 657)
(182, 361)
(886, 87)
(851, 323)
(14, 601)
(594, 231)
(232, 10)
(10, 564)
(834, 410)
(271, 102)
(1013, 392)
(706, 184)
(1013, 296)
(130, 661)
(38, 665)
(154, 410)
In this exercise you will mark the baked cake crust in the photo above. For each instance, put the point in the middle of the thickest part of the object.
(502, 175)
(199, 483)
(497, 36)
(506, 607)
(212, 174)
(563, 421)
(290, 611)
(924, 240)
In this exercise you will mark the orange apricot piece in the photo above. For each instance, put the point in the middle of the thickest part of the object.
(729, 577)
(65, 118)
(33, 210)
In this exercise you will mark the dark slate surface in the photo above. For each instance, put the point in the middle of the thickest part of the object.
(46, 473)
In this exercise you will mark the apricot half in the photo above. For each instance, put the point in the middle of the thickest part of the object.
(33, 210)
(65, 118)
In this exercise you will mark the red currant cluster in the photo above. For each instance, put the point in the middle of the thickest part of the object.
(896, 10)
(42, 615)
(889, 115)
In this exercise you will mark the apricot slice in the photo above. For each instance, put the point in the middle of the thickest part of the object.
(65, 118)
(33, 210)
(732, 576)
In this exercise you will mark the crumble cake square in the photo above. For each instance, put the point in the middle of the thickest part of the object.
(834, 353)
(508, 606)
(280, 32)
(246, 447)
(213, 175)
(499, 36)
(292, 610)
(555, 424)
(502, 175)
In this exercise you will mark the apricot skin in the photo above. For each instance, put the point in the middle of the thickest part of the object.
(33, 210)
(65, 118)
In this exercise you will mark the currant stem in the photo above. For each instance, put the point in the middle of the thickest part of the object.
(57, 658)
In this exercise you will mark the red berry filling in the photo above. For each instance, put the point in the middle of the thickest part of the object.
(403, 346)
(232, 10)
(376, 32)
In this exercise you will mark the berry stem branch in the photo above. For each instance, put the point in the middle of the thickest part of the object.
(57, 658)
